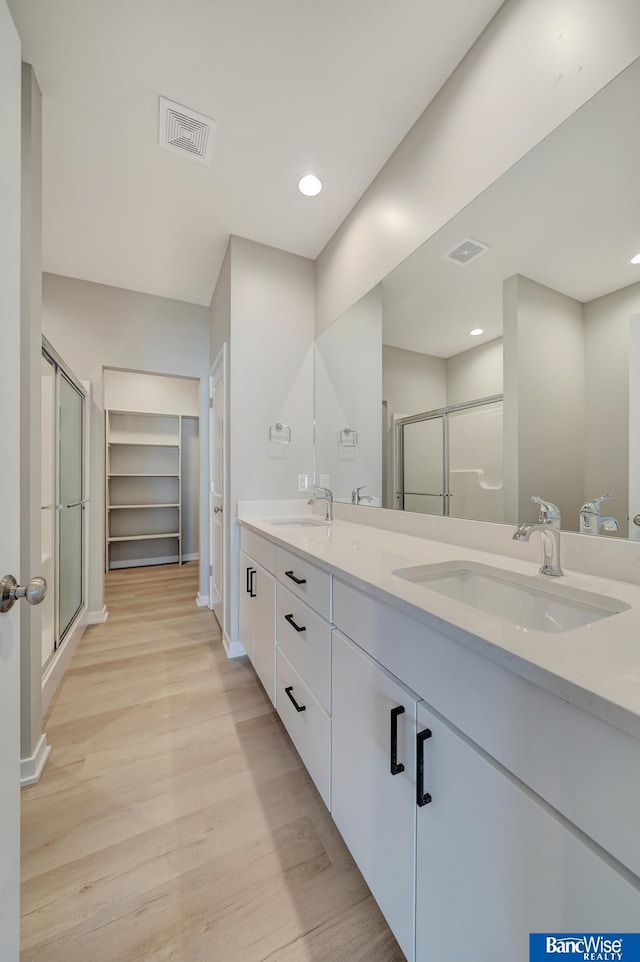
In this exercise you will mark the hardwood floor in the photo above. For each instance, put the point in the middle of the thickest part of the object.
(174, 819)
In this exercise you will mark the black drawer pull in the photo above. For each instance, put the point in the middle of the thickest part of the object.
(289, 618)
(422, 797)
(298, 581)
(293, 701)
(248, 578)
(394, 767)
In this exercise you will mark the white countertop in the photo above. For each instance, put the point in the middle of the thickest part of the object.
(596, 667)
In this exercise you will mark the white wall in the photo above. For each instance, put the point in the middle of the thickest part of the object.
(153, 393)
(263, 307)
(348, 394)
(535, 64)
(475, 373)
(544, 401)
(607, 325)
(272, 327)
(93, 326)
(412, 382)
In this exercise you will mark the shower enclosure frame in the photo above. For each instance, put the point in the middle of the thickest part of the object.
(62, 632)
(444, 414)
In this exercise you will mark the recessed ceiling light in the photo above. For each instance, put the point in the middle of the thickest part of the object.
(476, 331)
(309, 185)
(636, 259)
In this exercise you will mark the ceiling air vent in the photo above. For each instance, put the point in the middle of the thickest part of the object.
(185, 131)
(466, 251)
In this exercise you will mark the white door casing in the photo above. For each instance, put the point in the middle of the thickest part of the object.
(218, 506)
(634, 427)
(10, 121)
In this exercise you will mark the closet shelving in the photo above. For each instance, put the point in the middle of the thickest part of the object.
(143, 460)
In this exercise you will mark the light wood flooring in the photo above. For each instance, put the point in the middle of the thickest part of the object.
(174, 819)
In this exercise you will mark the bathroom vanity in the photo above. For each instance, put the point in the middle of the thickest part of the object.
(485, 774)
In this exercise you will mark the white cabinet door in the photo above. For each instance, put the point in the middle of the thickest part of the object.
(494, 863)
(246, 605)
(374, 809)
(264, 628)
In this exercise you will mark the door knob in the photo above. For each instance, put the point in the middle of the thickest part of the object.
(217, 508)
(636, 520)
(10, 592)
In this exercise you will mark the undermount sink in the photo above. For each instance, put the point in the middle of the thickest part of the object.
(527, 602)
(300, 522)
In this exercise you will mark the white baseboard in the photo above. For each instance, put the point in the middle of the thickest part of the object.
(147, 562)
(202, 601)
(97, 617)
(233, 648)
(54, 672)
(31, 768)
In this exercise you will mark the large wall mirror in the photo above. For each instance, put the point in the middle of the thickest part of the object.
(417, 412)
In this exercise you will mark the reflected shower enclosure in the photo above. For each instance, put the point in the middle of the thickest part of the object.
(449, 462)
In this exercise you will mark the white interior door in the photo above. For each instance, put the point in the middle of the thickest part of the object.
(10, 81)
(218, 506)
(634, 429)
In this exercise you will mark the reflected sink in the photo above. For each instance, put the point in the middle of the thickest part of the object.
(299, 522)
(527, 602)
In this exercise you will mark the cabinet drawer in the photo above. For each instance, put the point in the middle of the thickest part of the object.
(261, 550)
(309, 730)
(584, 768)
(308, 582)
(308, 650)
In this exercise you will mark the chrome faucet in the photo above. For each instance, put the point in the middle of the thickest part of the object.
(548, 524)
(356, 497)
(591, 521)
(323, 494)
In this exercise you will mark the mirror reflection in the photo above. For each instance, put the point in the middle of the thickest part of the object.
(493, 364)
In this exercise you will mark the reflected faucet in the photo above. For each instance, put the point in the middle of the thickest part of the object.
(356, 497)
(591, 522)
(323, 494)
(548, 524)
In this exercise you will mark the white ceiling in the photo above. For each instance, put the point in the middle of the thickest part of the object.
(567, 215)
(294, 85)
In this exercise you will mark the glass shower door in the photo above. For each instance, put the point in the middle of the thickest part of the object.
(422, 466)
(70, 504)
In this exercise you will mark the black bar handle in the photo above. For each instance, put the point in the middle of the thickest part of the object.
(289, 618)
(394, 767)
(298, 581)
(248, 578)
(251, 591)
(422, 797)
(295, 704)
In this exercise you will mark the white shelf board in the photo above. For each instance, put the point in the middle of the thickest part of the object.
(120, 507)
(144, 475)
(144, 444)
(146, 537)
(143, 414)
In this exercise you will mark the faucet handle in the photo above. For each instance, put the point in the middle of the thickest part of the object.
(603, 497)
(549, 512)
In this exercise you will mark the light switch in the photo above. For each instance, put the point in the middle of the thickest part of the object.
(303, 483)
